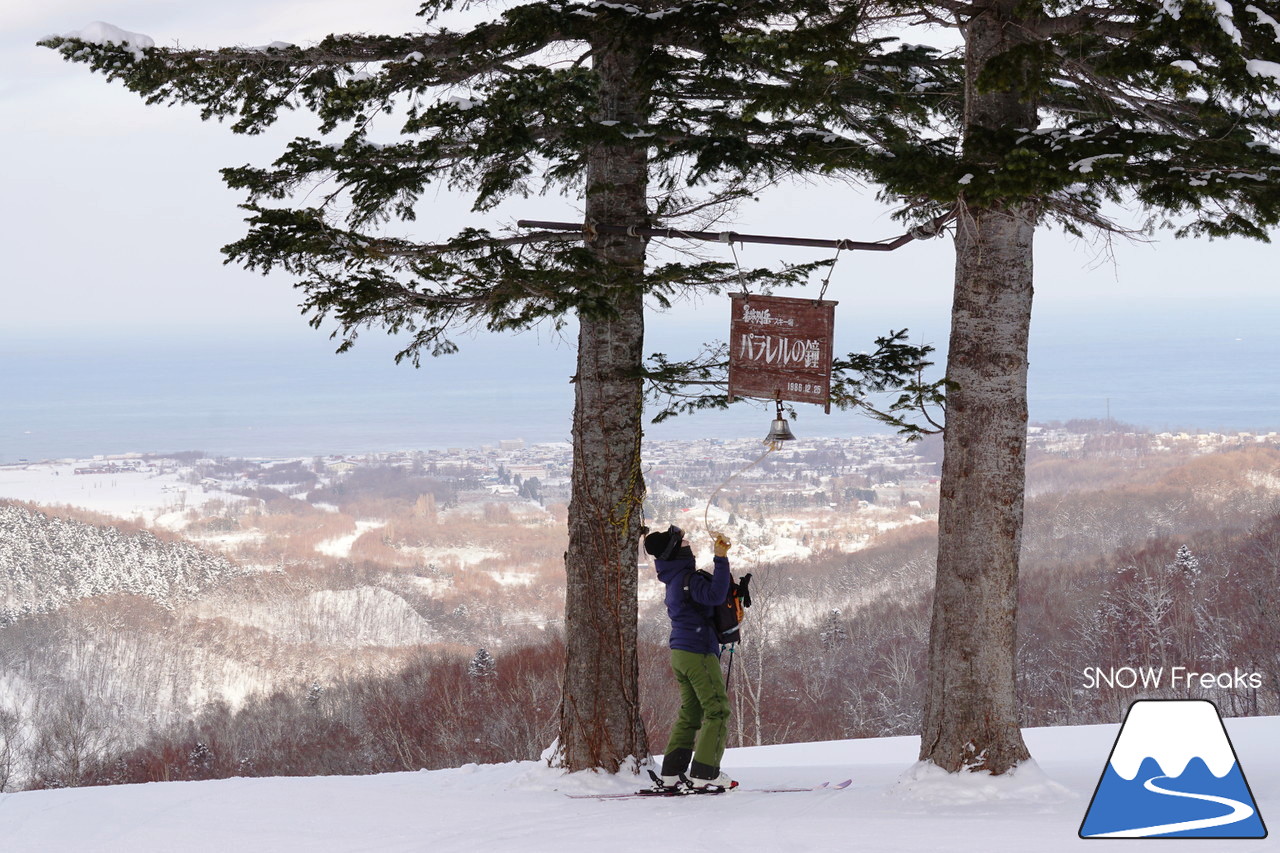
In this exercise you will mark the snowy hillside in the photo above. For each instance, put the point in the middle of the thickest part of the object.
(891, 806)
(48, 562)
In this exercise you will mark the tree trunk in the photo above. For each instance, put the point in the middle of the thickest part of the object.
(971, 708)
(600, 723)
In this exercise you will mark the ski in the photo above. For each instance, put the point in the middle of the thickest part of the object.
(826, 785)
(680, 792)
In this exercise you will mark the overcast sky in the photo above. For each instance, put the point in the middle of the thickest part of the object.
(114, 211)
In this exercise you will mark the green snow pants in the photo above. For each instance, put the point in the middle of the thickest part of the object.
(703, 722)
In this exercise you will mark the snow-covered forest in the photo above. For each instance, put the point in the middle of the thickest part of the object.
(355, 616)
(48, 563)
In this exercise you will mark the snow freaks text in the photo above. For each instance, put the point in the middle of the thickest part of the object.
(1174, 677)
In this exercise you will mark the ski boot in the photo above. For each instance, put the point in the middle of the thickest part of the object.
(709, 780)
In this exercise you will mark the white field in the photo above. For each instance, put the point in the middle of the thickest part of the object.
(150, 494)
(893, 806)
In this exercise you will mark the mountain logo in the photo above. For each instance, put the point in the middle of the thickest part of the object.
(1173, 773)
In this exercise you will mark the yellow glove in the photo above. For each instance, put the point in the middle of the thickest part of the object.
(722, 545)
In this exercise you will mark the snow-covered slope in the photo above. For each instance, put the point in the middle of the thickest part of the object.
(48, 562)
(891, 806)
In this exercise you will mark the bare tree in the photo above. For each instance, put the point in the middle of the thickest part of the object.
(12, 742)
(72, 735)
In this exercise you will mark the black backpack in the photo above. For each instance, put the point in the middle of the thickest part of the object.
(727, 617)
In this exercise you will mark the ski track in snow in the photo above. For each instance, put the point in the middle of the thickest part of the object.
(1240, 811)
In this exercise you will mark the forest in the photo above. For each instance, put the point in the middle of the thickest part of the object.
(394, 620)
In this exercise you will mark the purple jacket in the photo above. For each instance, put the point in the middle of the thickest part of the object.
(691, 628)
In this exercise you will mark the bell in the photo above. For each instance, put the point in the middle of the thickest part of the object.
(780, 431)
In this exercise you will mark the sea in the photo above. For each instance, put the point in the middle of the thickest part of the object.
(283, 392)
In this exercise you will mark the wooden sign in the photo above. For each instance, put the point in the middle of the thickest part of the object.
(780, 348)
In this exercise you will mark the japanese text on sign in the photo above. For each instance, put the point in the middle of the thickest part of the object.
(770, 349)
(781, 348)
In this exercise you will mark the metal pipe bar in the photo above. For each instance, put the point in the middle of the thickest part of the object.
(735, 237)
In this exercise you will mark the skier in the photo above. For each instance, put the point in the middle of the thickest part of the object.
(702, 725)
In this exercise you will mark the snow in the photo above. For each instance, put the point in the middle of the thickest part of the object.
(340, 546)
(1223, 13)
(151, 493)
(893, 806)
(1264, 18)
(1085, 166)
(104, 34)
(1263, 68)
(431, 586)
(929, 784)
(1225, 19)
(73, 561)
(341, 619)
(780, 550)
(464, 556)
(514, 578)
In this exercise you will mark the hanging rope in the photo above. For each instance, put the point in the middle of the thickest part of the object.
(772, 446)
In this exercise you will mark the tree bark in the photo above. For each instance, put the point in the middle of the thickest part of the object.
(971, 708)
(600, 723)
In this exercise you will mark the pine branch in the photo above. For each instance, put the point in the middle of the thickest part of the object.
(257, 83)
(680, 387)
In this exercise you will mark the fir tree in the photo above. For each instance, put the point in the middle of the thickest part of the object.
(1050, 113)
(1186, 565)
(1058, 112)
(633, 106)
(833, 632)
(531, 489)
(200, 761)
(482, 666)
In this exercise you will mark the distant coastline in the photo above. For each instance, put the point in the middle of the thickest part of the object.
(1167, 370)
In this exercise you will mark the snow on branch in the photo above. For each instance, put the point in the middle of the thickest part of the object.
(1265, 19)
(101, 33)
(340, 78)
(1222, 12)
(1263, 68)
